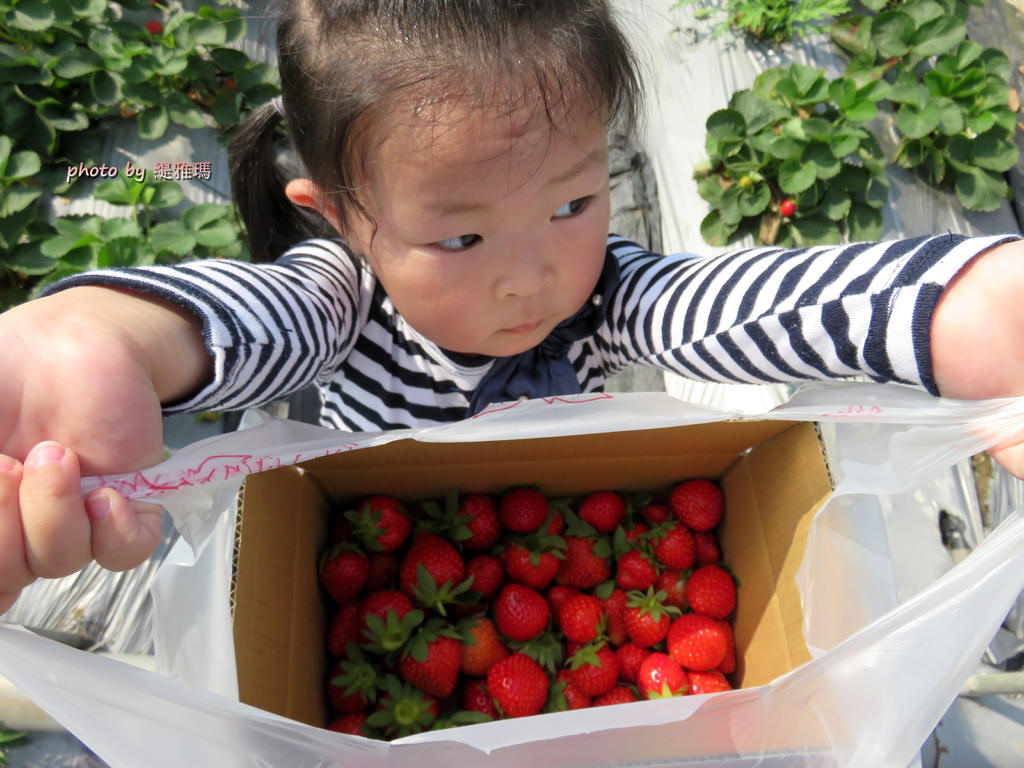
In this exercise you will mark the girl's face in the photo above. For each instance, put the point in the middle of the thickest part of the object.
(489, 227)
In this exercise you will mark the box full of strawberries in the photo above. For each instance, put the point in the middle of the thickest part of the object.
(416, 586)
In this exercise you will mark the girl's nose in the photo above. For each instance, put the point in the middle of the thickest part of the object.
(526, 270)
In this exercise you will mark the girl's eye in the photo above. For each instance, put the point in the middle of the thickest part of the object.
(459, 243)
(571, 208)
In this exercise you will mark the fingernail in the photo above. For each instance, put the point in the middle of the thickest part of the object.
(7, 464)
(45, 453)
(97, 506)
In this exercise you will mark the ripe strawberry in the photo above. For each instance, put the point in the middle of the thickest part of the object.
(698, 503)
(630, 656)
(482, 648)
(352, 724)
(603, 509)
(488, 575)
(648, 618)
(706, 547)
(476, 698)
(661, 677)
(673, 584)
(728, 665)
(656, 513)
(520, 612)
(352, 683)
(386, 619)
(344, 628)
(594, 669)
(403, 710)
(711, 681)
(523, 510)
(581, 618)
(432, 572)
(518, 685)
(430, 661)
(343, 572)
(615, 617)
(620, 694)
(483, 523)
(383, 570)
(787, 208)
(674, 547)
(381, 523)
(568, 694)
(585, 564)
(711, 590)
(154, 27)
(636, 571)
(696, 642)
(636, 533)
(533, 566)
(556, 596)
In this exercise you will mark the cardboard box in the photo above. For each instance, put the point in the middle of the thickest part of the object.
(773, 473)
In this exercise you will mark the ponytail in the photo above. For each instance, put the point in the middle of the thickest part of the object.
(272, 222)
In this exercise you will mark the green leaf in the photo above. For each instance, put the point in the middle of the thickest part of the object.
(756, 113)
(996, 63)
(783, 148)
(992, 152)
(165, 194)
(228, 59)
(853, 34)
(843, 143)
(892, 32)
(850, 178)
(714, 230)
(876, 193)
(967, 53)
(21, 165)
(726, 125)
(106, 87)
(836, 204)
(207, 32)
(225, 109)
(861, 111)
(817, 128)
(981, 122)
(169, 61)
(172, 236)
(981, 190)
(864, 223)
(806, 78)
(77, 62)
(755, 199)
(795, 176)
(813, 230)
(88, 8)
(922, 11)
(120, 252)
(14, 199)
(31, 15)
(939, 35)
(916, 123)
(951, 118)
(65, 117)
(187, 114)
(825, 164)
(29, 259)
(111, 229)
(118, 191)
(153, 122)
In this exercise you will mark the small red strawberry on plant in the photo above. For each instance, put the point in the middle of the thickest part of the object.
(711, 590)
(403, 710)
(630, 656)
(594, 669)
(581, 618)
(673, 546)
(620, 694)
(381, 523)
(787, 208)
(603, 509)
(636, 571)
(343, 571)
(518, 686)
(698, 503)
(696, 642)
(711, 681)
(431, 658)
(648, 618)
(482, 647)
(154, 27)
(661, 677)
(523, 510)
(521, 612)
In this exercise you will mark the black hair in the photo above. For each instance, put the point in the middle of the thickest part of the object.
(343, 62)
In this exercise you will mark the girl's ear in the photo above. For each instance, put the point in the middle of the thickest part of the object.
(304, 193)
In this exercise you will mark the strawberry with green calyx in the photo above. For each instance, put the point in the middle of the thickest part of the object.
(482, 646)
(403, 710)
(476, 698)
(585, 564)
(555, 523)
(697, 642)
(353, 682)
(613, 603)
(604, 510)
(547, 649)
(563, 695)
(706, 546)
(661, 677)
(630, 656)
(343, 571)
(344, 628)
(648, 618)
(523, 510)
(533, 560)
(698, 503)
(518, 686)
(673, 584)
(636, 571)
(711, 681)
(448, 521)
(521, 612)
(620, 694)
(594, 669)
(432, 572)
(581, 618)
(430, 659)
(711, 590)
(673, 547)
(381, 523)
(388, 619)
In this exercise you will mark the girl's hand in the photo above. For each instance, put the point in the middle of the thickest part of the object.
(84, 373)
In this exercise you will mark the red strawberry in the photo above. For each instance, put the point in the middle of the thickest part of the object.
(673, 584)
(482, 522)
(482, 648)
(615, 617)
(656, 513)
(352, 684)
(476, 698)
(661, 677)
(383, 570)
(630, 656)
(403, 710)
(533, 567)
(698, 503)
(556, 596)
(603, 509)
(711, 681)
(711, 590)
(381, 523)
(594, 669)
(352, 724)
(696, 642)
(585, 564)
(581, 618)
(648, 618)
(636, 532)
(620, 694)
(674, 547)
(488, 575)
(344, 628)
(636, 571)
(523, 510)
(432, 571)
(431, 659)
(520, 612)
(154, 27)
(573, 698)
(555, 520)
(706, 546)
(518, 685)
(728, 665)
(343, 571)
(386, 620)
(787, 208)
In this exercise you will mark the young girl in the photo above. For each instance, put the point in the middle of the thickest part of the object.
(446, 247)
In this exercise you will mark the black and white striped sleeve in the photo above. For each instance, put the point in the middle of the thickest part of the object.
(270, 329)
(769, 314)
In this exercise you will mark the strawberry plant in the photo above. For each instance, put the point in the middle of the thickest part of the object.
(777, 20)
(7, 737)
(795, 138)
(69, 72)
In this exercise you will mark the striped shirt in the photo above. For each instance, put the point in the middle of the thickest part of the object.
(318, 315)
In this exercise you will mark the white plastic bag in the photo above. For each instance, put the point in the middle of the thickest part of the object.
(882, 675)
